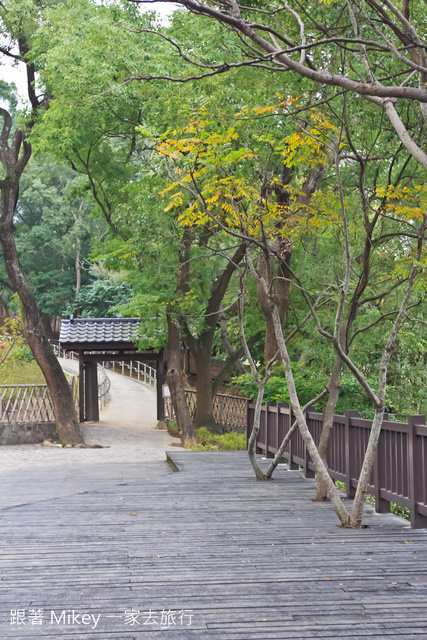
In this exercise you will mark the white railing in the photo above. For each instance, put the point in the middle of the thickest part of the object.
(135, 370)
(61, 353)
(104, 385)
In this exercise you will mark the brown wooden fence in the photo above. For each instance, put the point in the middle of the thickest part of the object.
(229, 411)
(400, 471)
(28, 403)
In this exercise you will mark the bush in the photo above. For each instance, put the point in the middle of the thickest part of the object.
(228, 441)
(23, 353)
(173, 428)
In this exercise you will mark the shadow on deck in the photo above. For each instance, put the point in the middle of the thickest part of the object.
(234, 558)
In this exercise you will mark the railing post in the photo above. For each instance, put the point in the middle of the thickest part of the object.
(248, 434)
(267, 421)
(308, 473)
(293, 466)
(280, 426)
(263, 410)
(139, 369)
(349, 451)
(416, 472)
(381, 505)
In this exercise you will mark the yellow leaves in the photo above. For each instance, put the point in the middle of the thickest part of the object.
(213, 172)
(408, 203)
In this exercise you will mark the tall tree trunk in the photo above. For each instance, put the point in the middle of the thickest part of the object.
(14, 158)
(204, 408)
(60, 393)
(174, 377)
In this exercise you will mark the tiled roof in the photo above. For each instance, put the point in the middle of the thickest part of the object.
(98, 329)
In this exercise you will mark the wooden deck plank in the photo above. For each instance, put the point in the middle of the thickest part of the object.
(251, 560)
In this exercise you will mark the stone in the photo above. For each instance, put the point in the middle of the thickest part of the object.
(49, 443)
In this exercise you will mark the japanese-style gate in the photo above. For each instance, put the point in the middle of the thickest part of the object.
(105, 340)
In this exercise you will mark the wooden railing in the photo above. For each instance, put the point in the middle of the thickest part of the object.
(28, 403)
(400, 470)
(229, 411)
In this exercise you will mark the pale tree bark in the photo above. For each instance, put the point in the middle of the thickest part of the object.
(261, 382)
(355, 303)
(174, 377)
(14, 158)
(368, 462)
(353, 519)
(320, 466)
(280, 451)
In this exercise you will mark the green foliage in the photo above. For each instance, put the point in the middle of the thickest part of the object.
(101, 298)
(23, 353)
(54, 229)
(309, 383)
(228, 441)
(18, 370)
(173, 428)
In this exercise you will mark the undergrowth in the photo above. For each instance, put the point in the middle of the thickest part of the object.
(19, 367)
(207, 441)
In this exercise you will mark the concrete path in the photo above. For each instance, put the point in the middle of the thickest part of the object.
(136, 448)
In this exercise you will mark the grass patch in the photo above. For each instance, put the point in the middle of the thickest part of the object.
(207, 441)
(173, 429)
(20, 368)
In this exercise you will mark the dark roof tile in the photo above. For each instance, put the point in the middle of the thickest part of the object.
(98, 329)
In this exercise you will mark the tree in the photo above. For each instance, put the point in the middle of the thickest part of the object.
(54, 231)
(372, 48)
(230, 203)
(15, 153)
(123, 172)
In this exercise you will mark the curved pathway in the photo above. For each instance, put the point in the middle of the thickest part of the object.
(127, 427)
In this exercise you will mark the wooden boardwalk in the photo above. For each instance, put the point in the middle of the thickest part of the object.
(236, 558)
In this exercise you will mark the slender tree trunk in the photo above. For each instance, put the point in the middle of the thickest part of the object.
(78, 268)
(60, 393)
(321, 469)
(174, 377)
(328, 423)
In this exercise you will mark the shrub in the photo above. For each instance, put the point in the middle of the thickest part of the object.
(173, 428)
(228, 441)
(23, 353)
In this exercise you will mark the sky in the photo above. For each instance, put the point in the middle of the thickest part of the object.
(15, 74)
